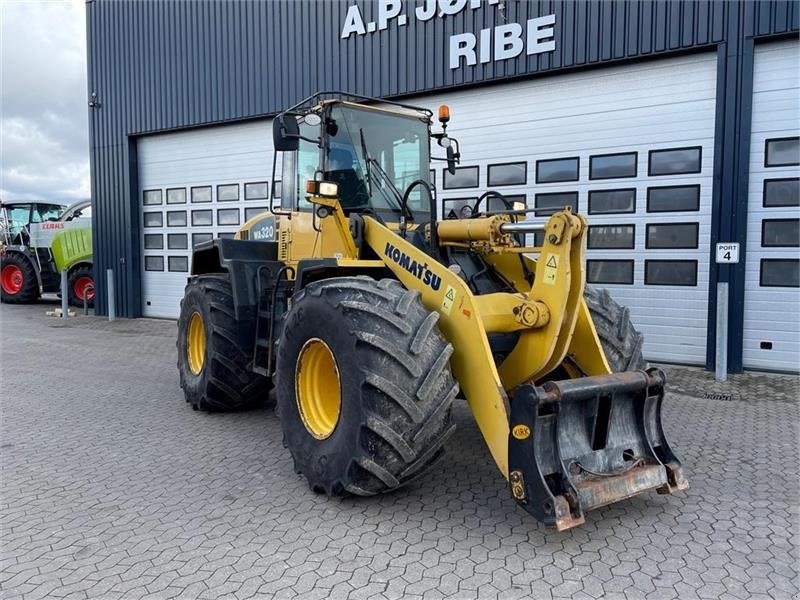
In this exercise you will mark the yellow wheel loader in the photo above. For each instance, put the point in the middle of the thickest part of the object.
(370, 317)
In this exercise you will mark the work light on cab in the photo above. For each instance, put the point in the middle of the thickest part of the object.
(326, 189)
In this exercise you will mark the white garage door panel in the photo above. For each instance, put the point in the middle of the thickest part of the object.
(223, 155)
(772, 314)
(636, 108)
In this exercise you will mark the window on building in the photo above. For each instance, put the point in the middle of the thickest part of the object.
(607, 202)
(673, 198)
(508, 174)
(433, 177)
(465, 177)
(151, 197)
(782, 152)
(178, 241)
(258, 190)
(554, 170)
(611, 237)
(153, 263)
(675, 161)
(780, 272)
(458, 208)
(671, 235)
(201, 194)
(253, 211)
(495, 204)
(178, 264)
(277, 189)
(200, 238)
(202, 217)
(176, 218)
(781, 192)
(780, 233)
(153, 219)
(612, 166)
(670, 272)
(228, 192)
(153, 241)
(228, 235)
(550, 203)
(227, 216)
(609, 271)
(176, 196)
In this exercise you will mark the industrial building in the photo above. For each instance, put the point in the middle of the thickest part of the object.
(674, 126)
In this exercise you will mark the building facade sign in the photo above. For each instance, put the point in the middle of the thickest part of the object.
(502, 42)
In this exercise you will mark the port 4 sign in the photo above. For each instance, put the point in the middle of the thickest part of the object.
(727, 252)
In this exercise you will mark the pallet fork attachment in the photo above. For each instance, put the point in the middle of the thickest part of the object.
(580, 444)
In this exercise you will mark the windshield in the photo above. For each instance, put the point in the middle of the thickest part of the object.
(374, 157)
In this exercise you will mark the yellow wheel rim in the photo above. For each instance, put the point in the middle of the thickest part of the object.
(318, 388)
(196, 344)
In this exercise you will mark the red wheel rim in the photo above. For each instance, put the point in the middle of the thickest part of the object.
(12, 279)
(80, 285)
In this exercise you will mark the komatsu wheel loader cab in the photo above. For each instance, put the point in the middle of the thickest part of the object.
(370, 317)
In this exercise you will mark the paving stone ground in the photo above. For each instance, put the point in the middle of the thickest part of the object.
(112, 487)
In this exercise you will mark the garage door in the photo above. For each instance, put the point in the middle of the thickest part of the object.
(195, 185)
(631, 147)
(772, 297)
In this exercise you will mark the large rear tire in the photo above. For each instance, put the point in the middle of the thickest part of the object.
(364, 386)
(214, 366)
(18, 281)
(621, 342)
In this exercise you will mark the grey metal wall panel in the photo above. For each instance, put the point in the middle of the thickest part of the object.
(165, 65)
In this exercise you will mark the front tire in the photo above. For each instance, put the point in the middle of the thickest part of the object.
(622, 343)
(214, 366)
(18, 281)
(388, 420)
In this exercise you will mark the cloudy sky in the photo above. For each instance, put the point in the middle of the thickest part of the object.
(44, 140)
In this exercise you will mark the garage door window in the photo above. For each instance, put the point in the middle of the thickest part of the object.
(202, 217)
(672, 235)
(465, 177)
(178, 241)
(551, 203)
(609, 271)
(508, 174)
(780, 233)
(496, 204)
(277, 189)
(460, 208)
(555, 170)
(153, 219)
(780, 272)
(176, 218)
(670, 272)
(781, 192)
(153, 263)
(612, 166)
(153, 241)
(782, 152)
(606, 202)
(201, 194)
(228, 216)
(673, 198)
(176, 196)
(254, 211)
(199, 238)
(675, 161)
(611, 237)
(151, 197)
(228, 192)
(256, 191)
(178, 264)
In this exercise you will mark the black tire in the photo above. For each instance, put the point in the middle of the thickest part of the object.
(396, 385)
(75, 275)
(29, 289)
(621, 342)
(225, 381)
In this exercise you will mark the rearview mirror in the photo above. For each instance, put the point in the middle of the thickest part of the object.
(451, 159)
(285, 133)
